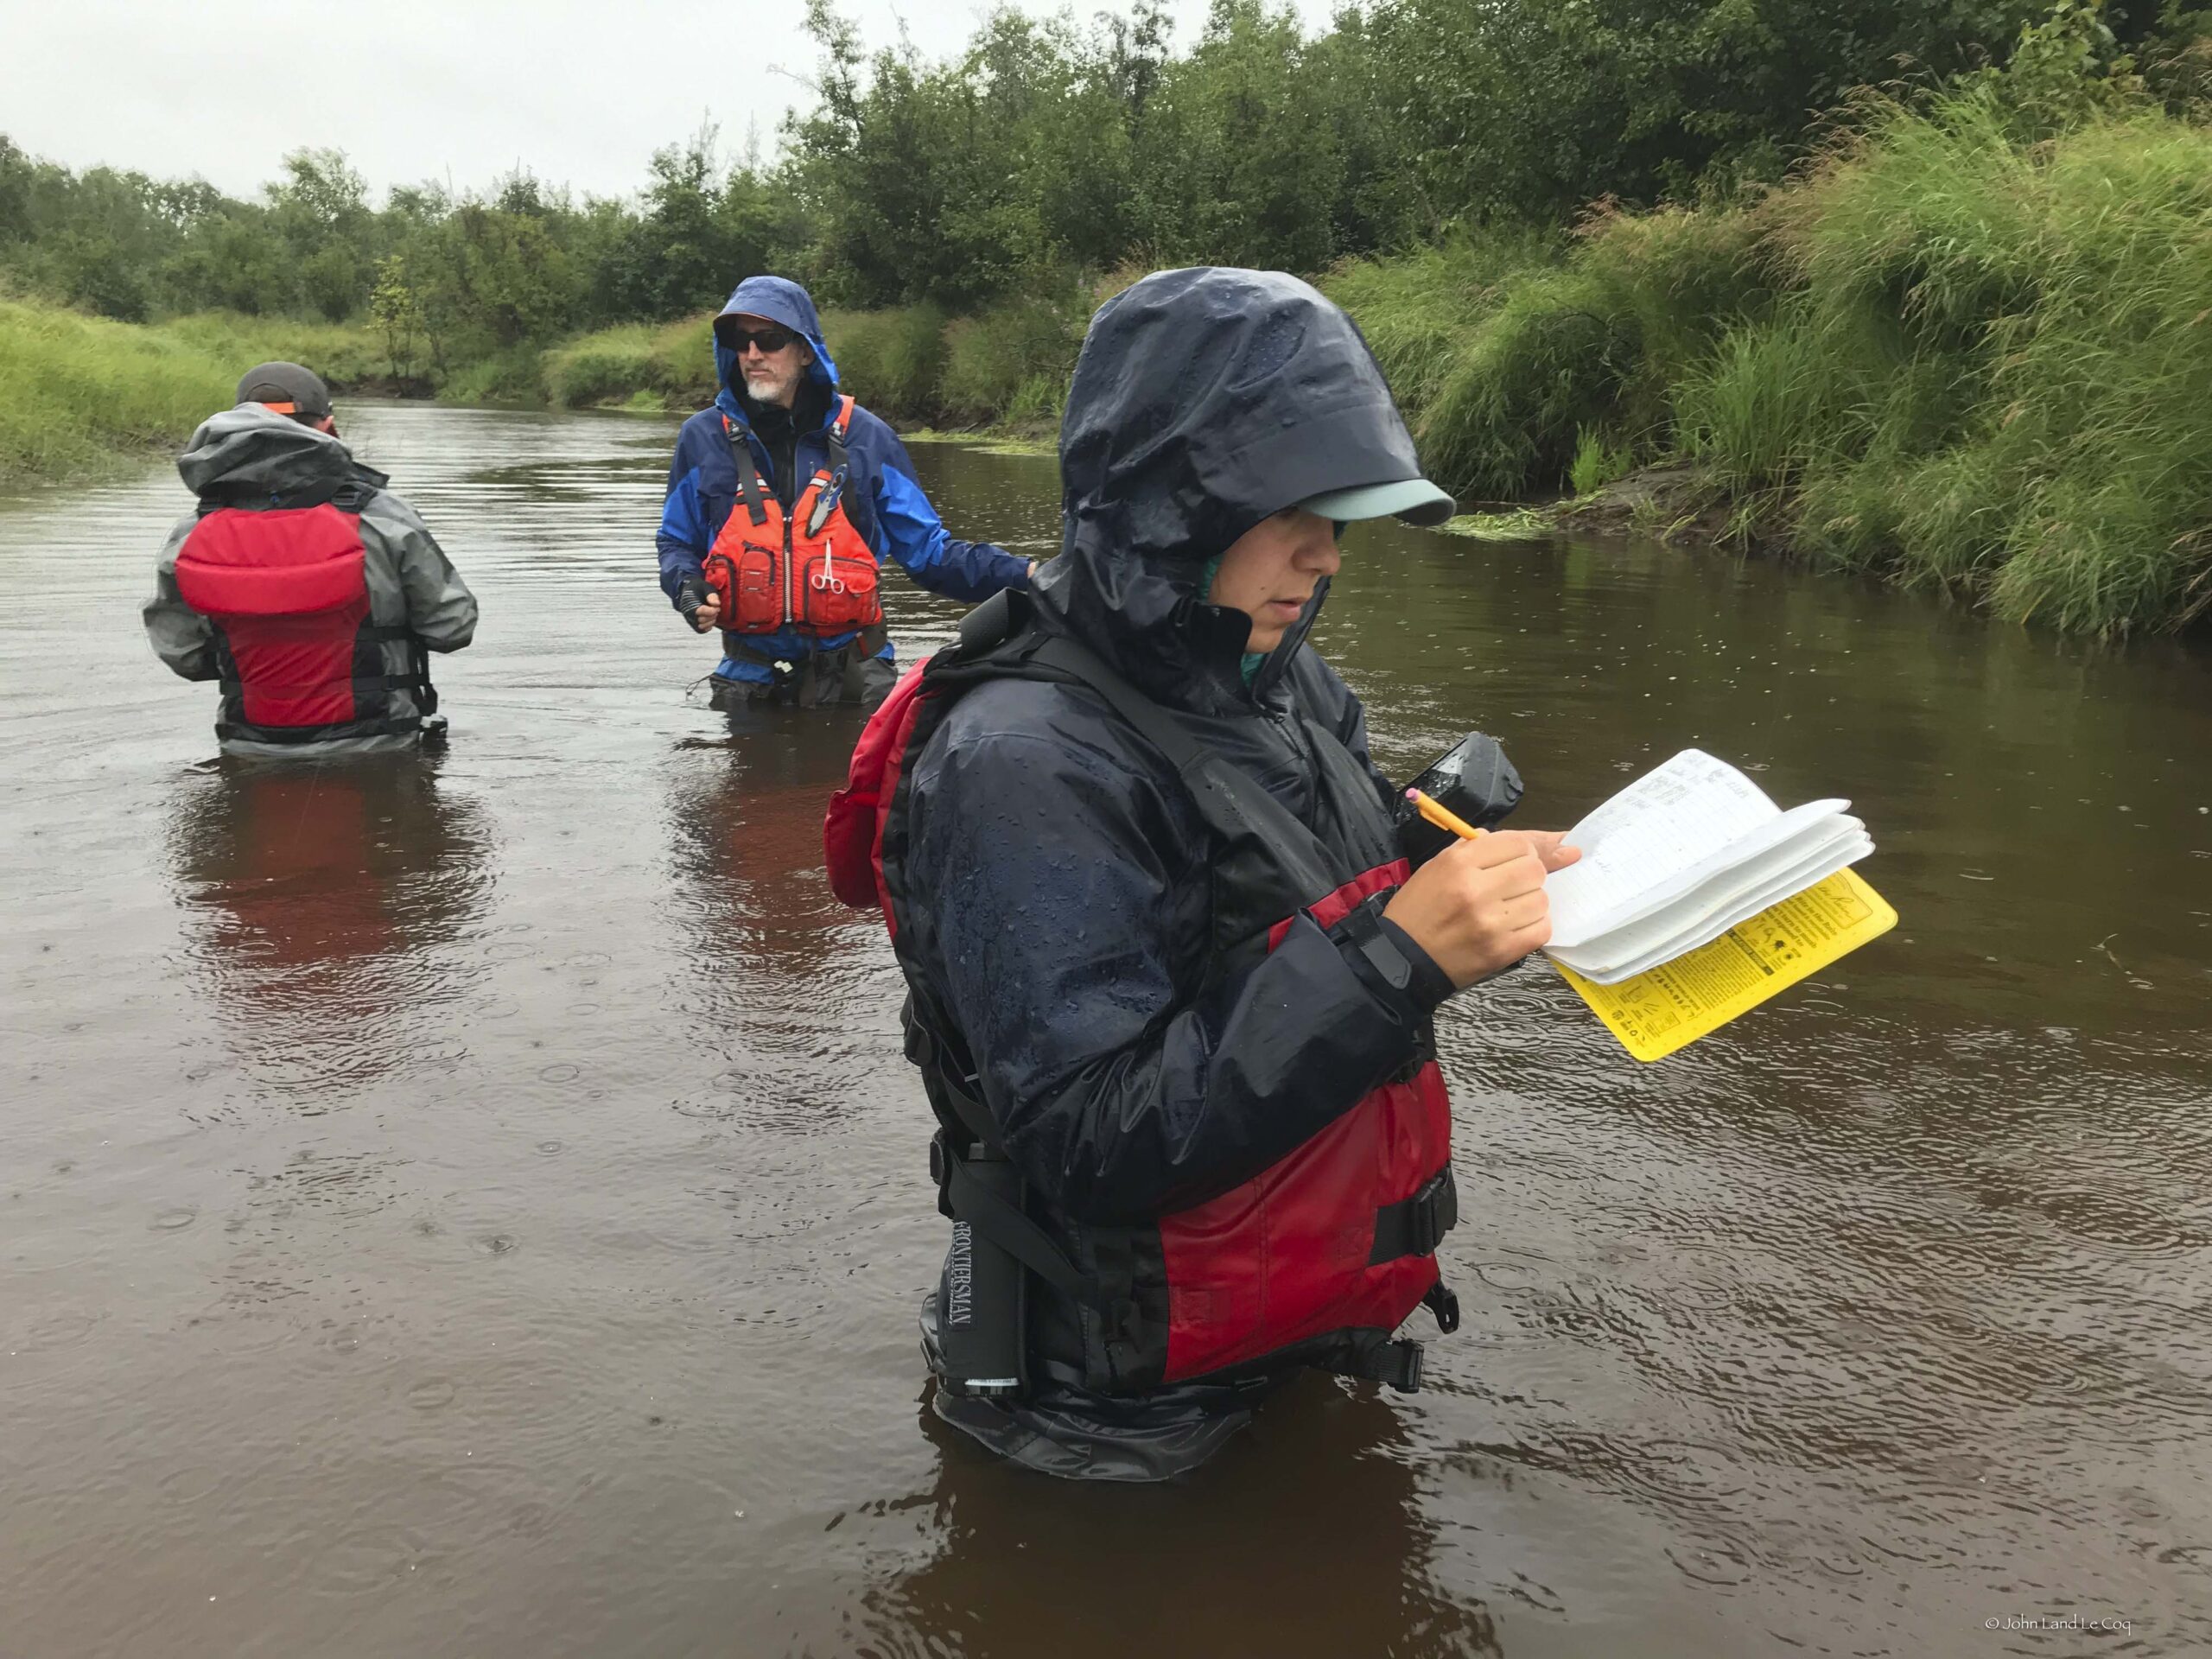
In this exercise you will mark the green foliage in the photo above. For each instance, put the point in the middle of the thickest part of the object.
(992, 358)
(1418, 310)
(1598, 463)
(633, 365)
(1989, 373)
(343, 354)
(893, 361)
(81, 394)
(1591, 342)
(1532, 108)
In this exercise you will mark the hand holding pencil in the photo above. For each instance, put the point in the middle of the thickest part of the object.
(1479, 906)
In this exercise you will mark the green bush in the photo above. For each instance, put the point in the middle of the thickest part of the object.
(991, 357)
(635, 365)
(893, 361)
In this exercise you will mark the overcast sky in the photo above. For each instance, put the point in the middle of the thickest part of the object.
(582, 93)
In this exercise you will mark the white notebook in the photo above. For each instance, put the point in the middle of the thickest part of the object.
(1681, 856)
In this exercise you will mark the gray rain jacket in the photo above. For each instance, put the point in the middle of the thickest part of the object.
(252, 457)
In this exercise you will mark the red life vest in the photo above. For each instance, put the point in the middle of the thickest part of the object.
(1315, 1260)
(808, 567)
(287, 589)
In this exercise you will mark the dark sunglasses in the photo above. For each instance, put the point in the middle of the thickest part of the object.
(770, 339)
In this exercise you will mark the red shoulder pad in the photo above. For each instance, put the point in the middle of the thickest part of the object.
(852, 834)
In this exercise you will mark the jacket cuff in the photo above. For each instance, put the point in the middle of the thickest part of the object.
(1399, 972)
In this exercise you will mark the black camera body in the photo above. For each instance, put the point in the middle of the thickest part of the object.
(1474, 781)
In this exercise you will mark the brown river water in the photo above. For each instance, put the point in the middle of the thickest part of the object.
(478, 1207)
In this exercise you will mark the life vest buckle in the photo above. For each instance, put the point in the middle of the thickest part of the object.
(1415, 1226)
(1444, 1305)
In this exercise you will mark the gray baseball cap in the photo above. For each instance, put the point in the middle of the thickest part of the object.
(1414, 499)
(286, 388)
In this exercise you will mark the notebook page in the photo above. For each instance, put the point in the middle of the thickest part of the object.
(1664, 826)
(1632, 951)
(1661, 927)
(1775, 839)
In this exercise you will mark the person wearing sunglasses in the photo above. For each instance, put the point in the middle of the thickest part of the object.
(785, 499)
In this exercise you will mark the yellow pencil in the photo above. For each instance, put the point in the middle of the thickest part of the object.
(1442, 818)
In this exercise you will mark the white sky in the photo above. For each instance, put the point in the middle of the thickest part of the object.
(582, 93)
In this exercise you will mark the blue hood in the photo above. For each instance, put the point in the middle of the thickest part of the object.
(779, 300)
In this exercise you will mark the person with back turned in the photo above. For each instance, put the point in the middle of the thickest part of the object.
(783, 498)
(1171, 972)
(302, 584)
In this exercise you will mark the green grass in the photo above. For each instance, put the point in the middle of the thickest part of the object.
(344, 354)
(1991, 373)
(638, 365)
(1957, 351)
(1010, 365)
(893, 361)
(81, 395)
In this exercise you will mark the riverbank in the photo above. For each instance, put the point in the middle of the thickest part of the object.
(1960, 352)
(83, 396)
(1953, 354)
(1963, 351)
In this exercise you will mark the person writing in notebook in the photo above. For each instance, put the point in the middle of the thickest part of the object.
(1171, 977)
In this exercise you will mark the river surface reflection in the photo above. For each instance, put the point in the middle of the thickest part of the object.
(478, 1206)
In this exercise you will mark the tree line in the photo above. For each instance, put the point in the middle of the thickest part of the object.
(1046, 147)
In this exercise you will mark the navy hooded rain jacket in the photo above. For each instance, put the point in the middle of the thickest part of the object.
(882, 498)
(1125, 1077)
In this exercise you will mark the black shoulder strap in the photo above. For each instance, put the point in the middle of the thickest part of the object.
(1229, 800)
(994, 621)
(748, 480)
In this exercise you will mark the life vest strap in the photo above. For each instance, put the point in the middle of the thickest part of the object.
(1398, 1363)
(966, 1199)
(1229, 800)
(748, 478)
(1415, 1226)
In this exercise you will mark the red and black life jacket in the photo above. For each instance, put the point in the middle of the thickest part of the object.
(1316, 1260)
(287, 589)
(810, 567)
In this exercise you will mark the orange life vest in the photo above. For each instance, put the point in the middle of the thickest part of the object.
(808, 567)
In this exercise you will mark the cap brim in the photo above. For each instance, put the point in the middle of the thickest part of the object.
(1415, 500)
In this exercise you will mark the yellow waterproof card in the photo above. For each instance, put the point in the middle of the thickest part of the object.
(1669, 1006)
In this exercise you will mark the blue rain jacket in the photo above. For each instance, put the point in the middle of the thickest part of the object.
(882, 498)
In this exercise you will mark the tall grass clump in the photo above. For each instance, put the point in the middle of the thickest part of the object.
(1011, 362)
(1419, 309)
(1590, 344)
(672, 363)
(893, 361)
(1991, 373)
(78, 394)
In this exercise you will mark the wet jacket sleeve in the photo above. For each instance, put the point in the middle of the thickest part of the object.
(1120, 1091)
(909, 529)
(683, 540)
(181, 636)
(441, 611)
